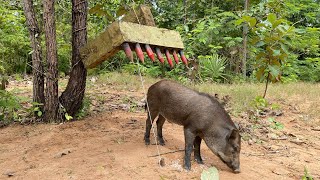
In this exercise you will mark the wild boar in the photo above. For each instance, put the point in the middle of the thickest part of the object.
(202, 117)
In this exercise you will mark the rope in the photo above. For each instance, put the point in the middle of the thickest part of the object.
(145, 97)
(149, 114)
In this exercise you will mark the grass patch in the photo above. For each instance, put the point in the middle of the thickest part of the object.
(125, 81)
(304, 95)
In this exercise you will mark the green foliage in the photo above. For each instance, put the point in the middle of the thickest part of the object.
(259, 103)
(67, 116)
(85, 108)
(211, 33)
(270, 38)
(306, 175)
(9, 105)
(35, 109)
(14, 39)
(210, 174)
(275, 124)
(212, 68)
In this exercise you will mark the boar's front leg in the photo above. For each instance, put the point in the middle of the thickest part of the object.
(160, 123)
(197, 156)
(189, 137)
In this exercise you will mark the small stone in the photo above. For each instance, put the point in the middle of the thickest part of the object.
(62, 153)
(161, 162)
(9, 173)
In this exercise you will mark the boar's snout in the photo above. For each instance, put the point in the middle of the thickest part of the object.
(234, 165)
(237, 171)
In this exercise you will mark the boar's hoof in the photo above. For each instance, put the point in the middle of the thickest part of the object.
(199, 161)
(161, 141)
(237, 171)
(187, 166)
(147, 141)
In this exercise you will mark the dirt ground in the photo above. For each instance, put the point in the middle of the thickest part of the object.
(109, 144)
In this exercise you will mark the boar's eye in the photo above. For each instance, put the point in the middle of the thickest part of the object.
(236, 148)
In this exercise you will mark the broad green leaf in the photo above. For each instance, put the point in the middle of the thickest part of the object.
(238, 22)
(274, 70)
(277, 23)
(276, 52)
(260, 43)
(252, 22)
(298, 30)
(238, 39)
(95, 9)
(272, 18)
(284, 48)
(260, 73)
(122, 10)
(66, 115)
(39, 113)
(261, 25)
(210, 174)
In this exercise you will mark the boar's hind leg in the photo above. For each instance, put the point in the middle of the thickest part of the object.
(160, 123)
(196, 144)
(189, 137)
(149, 125)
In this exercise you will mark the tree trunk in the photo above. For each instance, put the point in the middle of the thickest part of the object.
(37, 67)
(245, 35)
(71, 98)
(51, 91)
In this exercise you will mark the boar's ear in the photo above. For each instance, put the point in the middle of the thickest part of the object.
(234, 134)
(237, 125)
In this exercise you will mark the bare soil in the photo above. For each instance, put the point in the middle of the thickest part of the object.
(108, 144)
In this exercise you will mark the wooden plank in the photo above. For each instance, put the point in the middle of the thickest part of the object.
(132, 32)
(109, 42)
(144, 15)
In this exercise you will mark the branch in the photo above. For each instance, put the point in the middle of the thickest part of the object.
(170, 152)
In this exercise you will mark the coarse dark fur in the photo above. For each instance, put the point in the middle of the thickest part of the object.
(202, 117)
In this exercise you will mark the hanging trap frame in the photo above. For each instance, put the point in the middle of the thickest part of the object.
(135, 32)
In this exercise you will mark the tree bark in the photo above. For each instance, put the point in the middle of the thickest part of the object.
(71, 98)
(245, 35)
(51, 91)
(37, 66)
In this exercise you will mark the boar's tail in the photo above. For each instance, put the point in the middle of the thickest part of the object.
(145, 106)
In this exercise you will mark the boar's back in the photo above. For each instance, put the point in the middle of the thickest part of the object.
(184, 106)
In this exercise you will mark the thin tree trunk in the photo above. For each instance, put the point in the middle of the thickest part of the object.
(51, 91)
(37, 67)
(266, 87)
(185, 11)
(71, 98)
(245, 35)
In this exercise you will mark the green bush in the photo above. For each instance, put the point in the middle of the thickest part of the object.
(9, 105)
(212, 68)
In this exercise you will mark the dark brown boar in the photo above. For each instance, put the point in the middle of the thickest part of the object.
(202, 117)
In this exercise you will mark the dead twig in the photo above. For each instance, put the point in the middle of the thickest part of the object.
(280, 138)
(315, 129)
(170, 152)
(253, 154)
(298, 142)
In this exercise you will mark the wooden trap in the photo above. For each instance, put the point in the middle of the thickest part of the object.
(135, 32)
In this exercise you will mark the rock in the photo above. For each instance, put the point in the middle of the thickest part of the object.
(297, 141)
(280, 172)
(9, 173)
(276, 113)
(161, 162)
(62, 153)
(124, 107)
